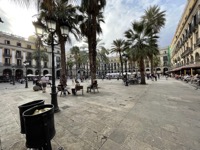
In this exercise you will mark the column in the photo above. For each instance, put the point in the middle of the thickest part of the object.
(1, 55)
(13, 57)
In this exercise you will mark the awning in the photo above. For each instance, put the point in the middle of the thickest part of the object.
(185, 67)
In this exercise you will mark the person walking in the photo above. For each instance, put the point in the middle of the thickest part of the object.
(44, 81)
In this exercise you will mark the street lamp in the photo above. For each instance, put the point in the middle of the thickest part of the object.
(125, 57)
(50, 26)
(26, 63)
(13, 70)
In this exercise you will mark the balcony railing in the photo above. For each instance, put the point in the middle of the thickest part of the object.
(28, 57)
(186, 52)
(197, 43)
(19, 66)
(7, 64)
(19, 56)
(7, 55)
(198, 19)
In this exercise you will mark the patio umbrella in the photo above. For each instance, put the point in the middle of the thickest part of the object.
(48, 75)
(30, 75)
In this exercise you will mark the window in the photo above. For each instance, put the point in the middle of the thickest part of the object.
(29, 56)
(165, 52)
(58, 66)
(7, 51)
(115, 66)
(19, 44)
(29, 46)
(7, 42)
(165, 63)
(7, 61)
(19, 62)
(58, 59)
(191, 41)
(18, 54)
(45, 64)
(196, 37)
(165, 58)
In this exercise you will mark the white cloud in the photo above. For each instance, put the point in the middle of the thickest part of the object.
(17, 21)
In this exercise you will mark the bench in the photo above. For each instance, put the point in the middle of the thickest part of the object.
(94, 87)
(77, 88)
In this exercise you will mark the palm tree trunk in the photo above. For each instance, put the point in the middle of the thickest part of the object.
(63, 79)
(152, 67)
(120, 57)
(142, 68)
(94, 45)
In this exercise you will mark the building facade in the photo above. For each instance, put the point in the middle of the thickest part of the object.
(15, 50)
(185, 46)
(114, 66)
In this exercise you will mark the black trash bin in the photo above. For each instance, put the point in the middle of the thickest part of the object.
(23, 108)
(40, 128)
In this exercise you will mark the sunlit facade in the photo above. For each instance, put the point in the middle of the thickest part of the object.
(185, 46)
(15, 50)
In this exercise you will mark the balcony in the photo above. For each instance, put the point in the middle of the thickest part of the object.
(186, 52)
(7, 55)
(45, 66)
(19, 56)
(197, 43)
(194, 26)
(198, 19)
(29, 58)
(7, 64)
(19, 66)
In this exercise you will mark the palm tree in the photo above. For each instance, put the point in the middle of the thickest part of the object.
(39, 55)
(39, 45)
(83, 60)
(154, 18)
(70, 64)
(156, 62)
(138, 37)
(102, 57)
(75, 51)
(131, 58)
(119, 46)
(91, 26)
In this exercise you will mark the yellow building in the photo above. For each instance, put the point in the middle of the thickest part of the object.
(185, 46)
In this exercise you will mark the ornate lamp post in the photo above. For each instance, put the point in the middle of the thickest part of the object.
(13, 70)
(50, 26)
(125, 57)
(26, 63)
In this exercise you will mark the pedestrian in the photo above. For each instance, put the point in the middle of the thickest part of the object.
(44, 81)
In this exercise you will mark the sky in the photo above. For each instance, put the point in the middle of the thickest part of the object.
(118, 14)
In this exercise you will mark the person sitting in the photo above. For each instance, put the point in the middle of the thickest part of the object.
(64, 89)
(74, 89)
(94, 83)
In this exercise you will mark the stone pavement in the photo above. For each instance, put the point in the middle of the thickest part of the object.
(162, 115)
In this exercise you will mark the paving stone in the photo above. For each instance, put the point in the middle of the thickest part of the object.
(162, 115)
